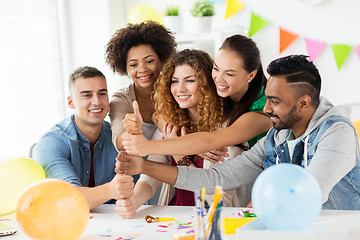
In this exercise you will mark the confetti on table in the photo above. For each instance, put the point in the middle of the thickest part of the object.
(90, 217)
(139, 226)
(106, 234)
(163, 226)
(183, 227)
(183, 224)
(134, 235)
(129, 237)
(160, 230)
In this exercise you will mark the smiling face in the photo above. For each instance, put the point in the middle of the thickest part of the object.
(230, 77)
(184, 86)
(90, 101)
(143, 65)
(281, 105)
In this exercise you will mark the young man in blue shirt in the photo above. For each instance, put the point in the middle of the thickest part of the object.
(79, 149)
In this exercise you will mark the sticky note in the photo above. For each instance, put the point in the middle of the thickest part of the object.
(231, 224)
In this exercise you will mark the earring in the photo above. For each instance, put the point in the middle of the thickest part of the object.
(249, 81)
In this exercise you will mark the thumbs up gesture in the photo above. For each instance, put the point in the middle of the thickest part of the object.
(133, 121)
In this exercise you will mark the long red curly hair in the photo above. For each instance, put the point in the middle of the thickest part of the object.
(210, 106)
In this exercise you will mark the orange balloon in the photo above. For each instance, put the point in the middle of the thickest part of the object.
(52, 209)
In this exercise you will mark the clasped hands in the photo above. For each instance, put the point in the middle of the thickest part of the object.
(135, 145)
(126, 206)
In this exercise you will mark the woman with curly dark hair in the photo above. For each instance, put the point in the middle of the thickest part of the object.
(139, 51)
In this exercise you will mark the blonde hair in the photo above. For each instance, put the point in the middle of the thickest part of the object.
(210, 106)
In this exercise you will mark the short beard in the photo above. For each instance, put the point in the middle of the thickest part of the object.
(289, 120)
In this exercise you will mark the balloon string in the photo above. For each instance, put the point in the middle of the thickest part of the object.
(305, 151)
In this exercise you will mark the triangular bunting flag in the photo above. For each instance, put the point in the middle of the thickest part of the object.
(232, 7)
(314, 48)
(341, 52)
(357, 50)
(256, 24)
(286, 38)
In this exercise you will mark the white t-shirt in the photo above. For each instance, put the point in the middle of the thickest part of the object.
(291, 142)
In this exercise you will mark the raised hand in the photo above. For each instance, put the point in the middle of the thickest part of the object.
(126, 207)
(128, 164)
(133, 121)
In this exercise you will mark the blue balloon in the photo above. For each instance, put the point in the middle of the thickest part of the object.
(286, 198)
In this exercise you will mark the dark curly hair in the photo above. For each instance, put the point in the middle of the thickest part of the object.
(210, 106)
(161, 40)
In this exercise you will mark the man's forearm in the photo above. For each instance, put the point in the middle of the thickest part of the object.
(162, 172)
(95, 196)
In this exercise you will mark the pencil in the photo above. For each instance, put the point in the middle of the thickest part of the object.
(203, 192)
(217, 196)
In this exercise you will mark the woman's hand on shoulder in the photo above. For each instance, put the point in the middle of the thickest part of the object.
(170, 131)
(216, 155)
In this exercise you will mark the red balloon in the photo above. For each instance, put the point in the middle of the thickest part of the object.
(52, 209)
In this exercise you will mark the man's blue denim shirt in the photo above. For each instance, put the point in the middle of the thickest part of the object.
(64, 153)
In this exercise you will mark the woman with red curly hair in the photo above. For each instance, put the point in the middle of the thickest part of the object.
(238, 75)
(139, 51)
(240, 81)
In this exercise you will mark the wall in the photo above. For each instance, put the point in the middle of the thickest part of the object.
(331, 21)
(31, 94)
(85, 28)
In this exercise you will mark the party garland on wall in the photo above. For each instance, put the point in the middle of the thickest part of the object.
(314, 47)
